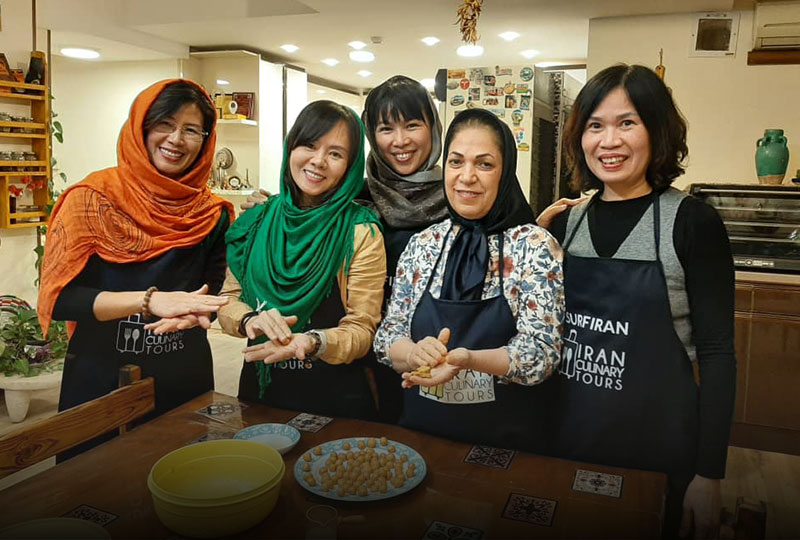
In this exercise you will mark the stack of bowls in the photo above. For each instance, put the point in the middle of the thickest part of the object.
(216, 488)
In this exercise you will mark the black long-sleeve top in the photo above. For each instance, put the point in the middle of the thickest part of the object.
(702, 246)
(180, 361)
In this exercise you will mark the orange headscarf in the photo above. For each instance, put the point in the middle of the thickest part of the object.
(128, 213)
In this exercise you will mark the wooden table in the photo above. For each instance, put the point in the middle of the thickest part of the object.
(113, 478)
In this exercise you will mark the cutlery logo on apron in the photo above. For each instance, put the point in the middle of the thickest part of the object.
(602, 367)
(133, 338)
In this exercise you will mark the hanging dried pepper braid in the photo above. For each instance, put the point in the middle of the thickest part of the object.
(468, 14)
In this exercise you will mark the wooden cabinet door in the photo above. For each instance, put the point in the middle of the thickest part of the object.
(742, 347)
(773, 372)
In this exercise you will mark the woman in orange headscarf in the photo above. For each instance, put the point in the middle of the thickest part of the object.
(126, 243)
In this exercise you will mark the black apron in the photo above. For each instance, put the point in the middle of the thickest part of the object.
(473, 407)
(625, 390)
(314, 386)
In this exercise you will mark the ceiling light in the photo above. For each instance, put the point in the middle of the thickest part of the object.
(83, 54)
(509, 36)
(357, 44)
(548, 64)
(223, 82)
(365, 73)
(469, 50)
(428, 83)
(321, 92)
(288, 47)
(361, 56)
(330, 61)
(430, 41)
(529, 53)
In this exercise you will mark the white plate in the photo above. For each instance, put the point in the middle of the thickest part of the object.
(281, 437)
(318, 461)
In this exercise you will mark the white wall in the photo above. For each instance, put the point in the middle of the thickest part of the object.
(727, 103)
(17, 258)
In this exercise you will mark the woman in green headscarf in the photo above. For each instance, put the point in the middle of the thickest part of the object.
(306, 274)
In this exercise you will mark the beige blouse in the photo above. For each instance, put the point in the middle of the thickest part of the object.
(362, 296)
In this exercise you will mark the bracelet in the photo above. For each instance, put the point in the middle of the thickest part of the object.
(147, 315)
(246, 317)
(317, 339)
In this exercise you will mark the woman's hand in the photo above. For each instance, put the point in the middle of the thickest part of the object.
(429, 351)
(173, 324)
(272, 324)
(255, 198)
(440, 374)
(545, 219)
(701, 506)
(178, 303)
(269, 352)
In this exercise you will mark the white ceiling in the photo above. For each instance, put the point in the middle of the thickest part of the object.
(158, 29)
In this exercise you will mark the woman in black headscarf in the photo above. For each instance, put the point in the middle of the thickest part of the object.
(477, 301)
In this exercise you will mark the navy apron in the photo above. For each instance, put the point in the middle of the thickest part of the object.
(314, 386)
(626, 394)
(474, 407)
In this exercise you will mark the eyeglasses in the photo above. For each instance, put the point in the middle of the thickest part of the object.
(190, 133)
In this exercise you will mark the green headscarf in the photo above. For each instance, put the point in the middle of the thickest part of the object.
(286, 257)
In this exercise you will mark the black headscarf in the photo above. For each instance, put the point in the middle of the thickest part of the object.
(468, 260)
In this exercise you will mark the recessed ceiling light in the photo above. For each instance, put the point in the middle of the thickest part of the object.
(357, 44)
(78, 52)
(430, 41)
(288, 47)
(330, 61)
(529, 53)
(469, 50)
(365, 73)
(361, 56)
(509, 36)
(428, 83)
(548, 64)
(223, 82)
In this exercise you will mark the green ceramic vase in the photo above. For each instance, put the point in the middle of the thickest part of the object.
(772, 157)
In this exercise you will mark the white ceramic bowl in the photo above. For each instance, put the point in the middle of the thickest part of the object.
(281, 437)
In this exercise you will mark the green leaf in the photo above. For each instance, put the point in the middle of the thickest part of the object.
(63, 176)
(57, 126)
(59, 137)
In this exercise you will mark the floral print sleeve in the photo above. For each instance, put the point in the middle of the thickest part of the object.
(532, 285)
(413, 272)
(536, 298)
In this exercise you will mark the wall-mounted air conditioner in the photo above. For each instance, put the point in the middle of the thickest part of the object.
(777, 25)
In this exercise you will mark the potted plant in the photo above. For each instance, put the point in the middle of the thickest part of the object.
(23, 349)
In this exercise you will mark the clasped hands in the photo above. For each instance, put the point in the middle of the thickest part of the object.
(180, 310)
(282, 344)
(432, 351)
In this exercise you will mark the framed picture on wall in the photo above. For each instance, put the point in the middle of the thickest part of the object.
(246, 103)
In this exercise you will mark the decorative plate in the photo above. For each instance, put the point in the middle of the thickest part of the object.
(319, 460)
(281, 437)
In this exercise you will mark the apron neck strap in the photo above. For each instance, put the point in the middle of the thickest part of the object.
(657, 225)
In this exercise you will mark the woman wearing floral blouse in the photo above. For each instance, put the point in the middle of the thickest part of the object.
(477, 300)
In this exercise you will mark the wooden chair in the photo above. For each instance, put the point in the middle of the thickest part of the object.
(43, 439)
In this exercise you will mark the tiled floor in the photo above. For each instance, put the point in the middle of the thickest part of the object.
(754, 475)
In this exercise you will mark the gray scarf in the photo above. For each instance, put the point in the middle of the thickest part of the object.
(407, 202)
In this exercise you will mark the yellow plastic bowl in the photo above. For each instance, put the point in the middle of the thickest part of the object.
(216, 488)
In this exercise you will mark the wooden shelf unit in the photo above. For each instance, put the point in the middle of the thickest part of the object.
(37, 137)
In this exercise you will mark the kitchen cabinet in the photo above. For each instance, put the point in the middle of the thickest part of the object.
(767, 327)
